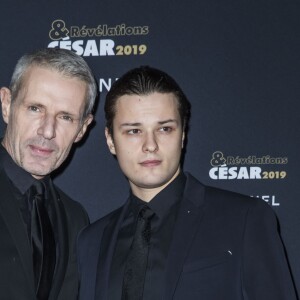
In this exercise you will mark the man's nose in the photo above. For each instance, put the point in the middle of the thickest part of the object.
(150, 143)
(47, 127)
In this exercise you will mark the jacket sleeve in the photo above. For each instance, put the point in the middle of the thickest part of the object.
(265, 271)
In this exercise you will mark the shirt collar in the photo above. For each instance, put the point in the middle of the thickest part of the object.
(20, 178)
(164, 200)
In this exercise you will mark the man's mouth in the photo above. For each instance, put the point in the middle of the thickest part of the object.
(150, 163)
(40, 151)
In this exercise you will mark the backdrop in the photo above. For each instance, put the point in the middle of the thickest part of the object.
(238, 63)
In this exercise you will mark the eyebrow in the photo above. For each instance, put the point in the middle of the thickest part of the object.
(139, 124)
(130, 124)
(168, 121)
(68, 113)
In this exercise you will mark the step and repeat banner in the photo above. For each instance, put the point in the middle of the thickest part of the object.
(238, 63)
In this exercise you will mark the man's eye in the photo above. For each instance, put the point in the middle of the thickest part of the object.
(33, 108)
(165, 129)
(133, 131)
(67, 118)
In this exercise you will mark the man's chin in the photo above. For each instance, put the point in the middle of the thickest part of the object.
(153, 184)
(37, 173)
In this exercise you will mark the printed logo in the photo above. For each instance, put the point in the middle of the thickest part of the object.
(251, 167)
(59, 31)
(98, 41)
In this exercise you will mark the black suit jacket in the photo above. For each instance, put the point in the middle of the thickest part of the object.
(225, 246)
(16, 268)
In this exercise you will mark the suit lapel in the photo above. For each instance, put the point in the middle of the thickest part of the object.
(108, 243)
(13, 219)
(187, 223)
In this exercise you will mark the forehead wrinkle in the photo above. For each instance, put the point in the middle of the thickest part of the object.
(139, 111)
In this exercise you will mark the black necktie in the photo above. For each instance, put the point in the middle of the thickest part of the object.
(136, 264)
(43, 242)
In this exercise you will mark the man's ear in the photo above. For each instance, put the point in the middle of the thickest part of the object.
(84, 127)
(5, 96)
(110, 142)
(182, 139)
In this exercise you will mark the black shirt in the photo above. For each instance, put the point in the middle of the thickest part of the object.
(165, 207)
(21, 182)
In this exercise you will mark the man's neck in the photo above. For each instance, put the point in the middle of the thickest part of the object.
(147, 194)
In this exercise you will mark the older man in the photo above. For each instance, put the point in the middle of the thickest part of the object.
(47, 108)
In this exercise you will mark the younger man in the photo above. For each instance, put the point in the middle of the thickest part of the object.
(174, 238)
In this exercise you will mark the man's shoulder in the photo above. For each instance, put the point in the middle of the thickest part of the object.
(72, 207)
(221, 198)
(99, 225)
